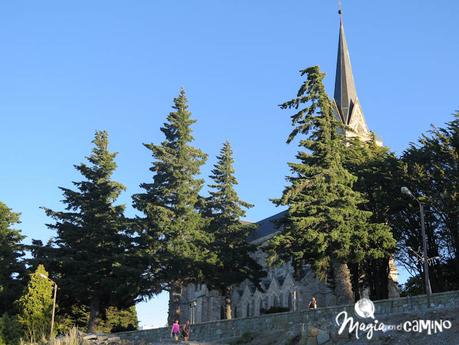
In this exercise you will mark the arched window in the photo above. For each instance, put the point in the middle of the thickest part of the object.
(247, 309)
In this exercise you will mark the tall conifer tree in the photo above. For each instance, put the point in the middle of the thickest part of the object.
(224, 211)
(378, 173)
(92, 250)
(172, 225)
(324, 226)
(11, 251)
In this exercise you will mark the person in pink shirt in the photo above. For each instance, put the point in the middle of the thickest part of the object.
(175, 331)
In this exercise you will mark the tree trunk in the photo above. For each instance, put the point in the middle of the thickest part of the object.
(228, 311)
(378, 274)
(94, 309)
(175, 295)
(356, 275)
(343, 286)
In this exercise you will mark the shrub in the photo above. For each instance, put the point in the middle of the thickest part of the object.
(10, 330)
(36, 305)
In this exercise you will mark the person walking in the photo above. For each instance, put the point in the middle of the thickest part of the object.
(313, 303)
(186, 331)
(175, 331)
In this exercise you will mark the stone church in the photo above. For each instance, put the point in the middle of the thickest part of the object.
(279, 288)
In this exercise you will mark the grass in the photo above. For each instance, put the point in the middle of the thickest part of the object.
(71, 338)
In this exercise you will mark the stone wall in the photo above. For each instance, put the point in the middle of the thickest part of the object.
(323, 318)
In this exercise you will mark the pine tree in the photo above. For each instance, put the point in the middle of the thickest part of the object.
(172, 226)
(36, 306)
(324, 225)
(229, 234)
(11, 252)
(377, 171)
(92, 253)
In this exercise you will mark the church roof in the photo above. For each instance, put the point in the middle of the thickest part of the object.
(345, 92)
(266, 227)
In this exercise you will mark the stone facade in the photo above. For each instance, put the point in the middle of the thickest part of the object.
(279, 289)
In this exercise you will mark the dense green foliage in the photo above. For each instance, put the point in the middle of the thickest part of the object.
(10, 330)
(378, 180)
(430, 169)
(35, 306)
(324, 226)
(93, 257)
(172, 228)
(116, 320)
(11, 251)
(224, 210)
(109, 320)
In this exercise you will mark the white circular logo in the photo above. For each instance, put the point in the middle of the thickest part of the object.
(365, 308)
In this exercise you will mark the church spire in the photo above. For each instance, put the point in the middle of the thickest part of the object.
(347, 104)
(345, 92)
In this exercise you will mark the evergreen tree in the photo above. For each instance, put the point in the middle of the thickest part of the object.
(229, 234)
(36, 306)
(377, 171)
(324, 225)
(11, 251)
(172, 227)
(430, 169)
(93, 258)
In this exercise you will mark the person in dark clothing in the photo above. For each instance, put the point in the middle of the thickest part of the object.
(186, 331)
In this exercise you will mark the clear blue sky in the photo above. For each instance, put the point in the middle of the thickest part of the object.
(70, 68)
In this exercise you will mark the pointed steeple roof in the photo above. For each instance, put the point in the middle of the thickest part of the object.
(347, 105)
(345, 92)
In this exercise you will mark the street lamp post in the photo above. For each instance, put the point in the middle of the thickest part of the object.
(428, 288)
(54, 303)
(193, 312)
